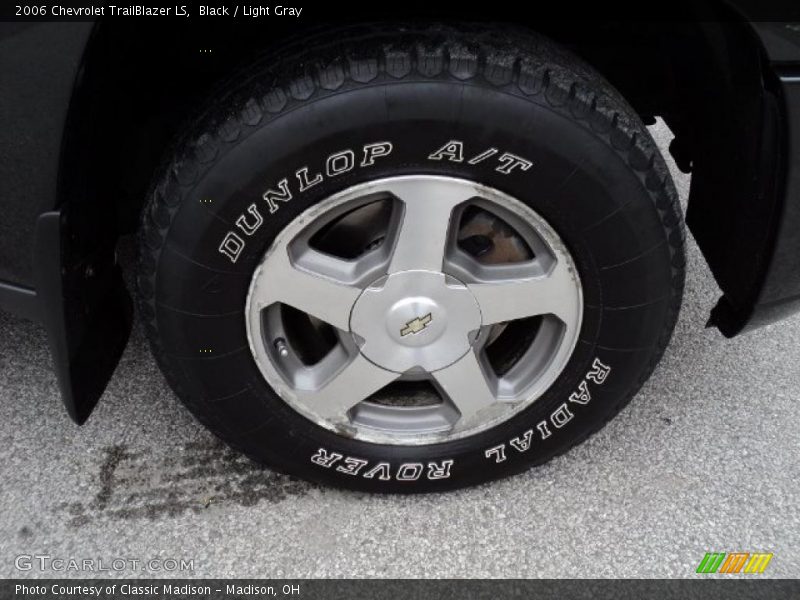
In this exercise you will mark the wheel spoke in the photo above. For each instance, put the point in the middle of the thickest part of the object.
(467, 386)
(329, 300)
(356, 381)
(511, 299)
(422, 236)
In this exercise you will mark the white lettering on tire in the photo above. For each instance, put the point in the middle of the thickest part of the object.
(483, 156)
(325, 459)
(581, 395)
(559, 418)
(350, 465)
(336, 164)
(248, 226)
(305, 182)
(499, 453)
(344, 161)
(271, 196)
(521, 444)
(452, 151)
(383, 470)
(340, 162)
(512, 161)
(439, 471)
(232, 246)
(409, 472)
(599, 372)
(376, 150)
(544, 430)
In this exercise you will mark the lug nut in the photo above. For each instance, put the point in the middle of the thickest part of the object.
(281, 347)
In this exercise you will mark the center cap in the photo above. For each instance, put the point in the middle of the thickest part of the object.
(415, 319)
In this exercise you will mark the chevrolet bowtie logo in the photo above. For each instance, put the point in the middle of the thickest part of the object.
(416, 325)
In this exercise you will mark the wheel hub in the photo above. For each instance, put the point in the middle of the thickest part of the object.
(415, 319)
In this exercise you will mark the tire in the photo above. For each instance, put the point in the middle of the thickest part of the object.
(581, 160)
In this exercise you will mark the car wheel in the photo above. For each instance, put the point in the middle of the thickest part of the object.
(411, 260)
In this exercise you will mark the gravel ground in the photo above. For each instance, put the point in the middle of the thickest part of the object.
(704, 459)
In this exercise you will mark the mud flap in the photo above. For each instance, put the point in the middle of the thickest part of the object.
(86, 310)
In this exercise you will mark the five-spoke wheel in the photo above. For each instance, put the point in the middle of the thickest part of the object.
(413, 309)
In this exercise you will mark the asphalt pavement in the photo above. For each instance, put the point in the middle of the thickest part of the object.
(704, 459)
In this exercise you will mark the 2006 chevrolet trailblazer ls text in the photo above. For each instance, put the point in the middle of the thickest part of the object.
(395, 257)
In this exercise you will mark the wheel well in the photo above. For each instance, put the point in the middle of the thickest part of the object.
(703, 75)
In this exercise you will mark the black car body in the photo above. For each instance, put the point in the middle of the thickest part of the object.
(89, 107)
